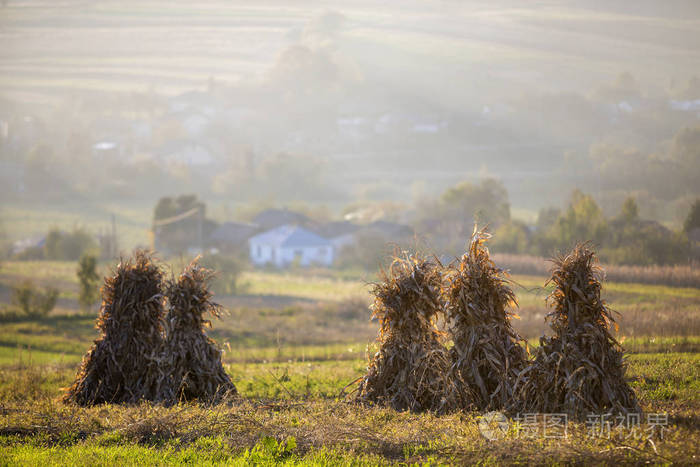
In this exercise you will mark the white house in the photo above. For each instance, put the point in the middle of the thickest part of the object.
(290, 244)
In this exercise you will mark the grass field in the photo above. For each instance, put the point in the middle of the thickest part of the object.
(110, 46)
(292, 343)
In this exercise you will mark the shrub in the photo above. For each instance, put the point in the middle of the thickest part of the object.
(68, 246)
(33, 302)
(228, 270)
(89, 281)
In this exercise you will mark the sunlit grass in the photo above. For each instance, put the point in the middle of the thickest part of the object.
(300, 285)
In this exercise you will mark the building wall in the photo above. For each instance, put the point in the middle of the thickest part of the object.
(306, 256)
(261, 254)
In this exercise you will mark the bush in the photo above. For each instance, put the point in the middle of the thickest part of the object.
(33, 302)
(369, 251)
(68, 246)
(511, 237)
(89, 281)
(228, 269)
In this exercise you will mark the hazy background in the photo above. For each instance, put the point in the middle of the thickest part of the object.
(326, 107)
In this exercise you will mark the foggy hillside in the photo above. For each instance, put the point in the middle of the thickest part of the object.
(337, 103)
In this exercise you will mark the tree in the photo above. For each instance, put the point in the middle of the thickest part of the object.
(583, 221)
(64, 246)
(483, 203)
(693, 219)
(89, 280)
(511, 237)
(52, 244)
(183, 233)
(629, 212)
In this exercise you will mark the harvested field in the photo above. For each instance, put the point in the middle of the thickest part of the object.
(290, 361)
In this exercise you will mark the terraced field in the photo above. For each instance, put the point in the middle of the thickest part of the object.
(54, 48)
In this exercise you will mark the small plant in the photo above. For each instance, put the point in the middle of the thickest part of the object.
(33, 302)
(89, 281)
(268, 449)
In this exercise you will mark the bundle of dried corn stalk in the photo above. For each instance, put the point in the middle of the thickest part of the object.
(579, 370)
(410, 370)
(487, 354)
(194, 359)
(124, 364)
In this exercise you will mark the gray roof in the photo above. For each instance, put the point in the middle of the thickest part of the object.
(270, 218)
(233, 232)
(336, 229)
(390, 229)
(290, 236)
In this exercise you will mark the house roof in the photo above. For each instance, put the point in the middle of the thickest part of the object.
(390, 229)
(336, 229)
(270, 218)
(289, 236)
(233, 232)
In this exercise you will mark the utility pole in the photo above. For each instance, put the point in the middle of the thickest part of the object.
(200, 228)
(113, 239)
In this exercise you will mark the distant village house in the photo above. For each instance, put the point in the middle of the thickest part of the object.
(290, 244)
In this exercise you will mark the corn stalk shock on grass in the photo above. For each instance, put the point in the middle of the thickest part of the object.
(487, 354)
(410, 370)
(125, 364)
(195, 360)
(580, 369)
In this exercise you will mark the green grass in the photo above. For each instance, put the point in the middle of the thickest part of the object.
(290, 413)
(215, 450)
(301, 285)
(20, 221)
(291, 358)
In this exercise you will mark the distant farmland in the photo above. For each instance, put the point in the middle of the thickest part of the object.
(109, 46)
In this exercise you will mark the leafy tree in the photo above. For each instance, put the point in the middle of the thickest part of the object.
(693, 219)
(483, 203)
(178, 236)
(369, 251)
(629, 212)
(52, 244)
(89, 280)
(546, 218)
(582, 221)
(75, 244)
(511, 237)
(63, 246)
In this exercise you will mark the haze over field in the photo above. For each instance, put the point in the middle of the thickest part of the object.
(335, 103)
(349, 232)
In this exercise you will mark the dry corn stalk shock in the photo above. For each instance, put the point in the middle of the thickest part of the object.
(410, 370)
(580, 370)
(197, 372)
(124, 364)
(487, 354)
